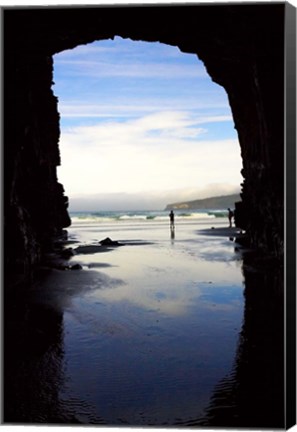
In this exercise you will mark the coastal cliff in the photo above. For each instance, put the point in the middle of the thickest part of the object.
(217, 202)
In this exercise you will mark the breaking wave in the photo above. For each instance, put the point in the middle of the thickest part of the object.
(142, 216)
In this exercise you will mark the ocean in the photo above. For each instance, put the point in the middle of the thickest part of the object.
(145, 215)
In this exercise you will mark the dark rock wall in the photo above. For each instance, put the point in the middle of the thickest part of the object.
(252, 395)
(35, 206)
(242, 49)
(262, 144)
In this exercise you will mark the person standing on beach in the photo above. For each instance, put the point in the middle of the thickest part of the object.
(230, 216)
(171, 216)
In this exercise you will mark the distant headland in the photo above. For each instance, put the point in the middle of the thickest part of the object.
(217, 202)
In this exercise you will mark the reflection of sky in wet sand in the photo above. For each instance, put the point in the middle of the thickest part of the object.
(149, 348)
(169, 278)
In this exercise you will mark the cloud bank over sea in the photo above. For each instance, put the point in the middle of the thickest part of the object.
(151, 200)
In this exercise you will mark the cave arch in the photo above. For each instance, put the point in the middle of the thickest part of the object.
(242, 47)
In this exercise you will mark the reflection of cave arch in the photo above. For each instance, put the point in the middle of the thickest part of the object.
(252, 395)
(242, 49)
(257, 384)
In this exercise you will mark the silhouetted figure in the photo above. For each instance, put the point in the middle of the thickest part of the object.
(171, 216)
(230, 216)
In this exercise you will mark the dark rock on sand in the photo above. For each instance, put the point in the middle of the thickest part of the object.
(108, 242)
(75, 267)
(103, 246)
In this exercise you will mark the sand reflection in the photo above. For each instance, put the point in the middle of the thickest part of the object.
(165, 280)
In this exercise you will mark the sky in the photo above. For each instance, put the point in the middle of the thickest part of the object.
(142, 126)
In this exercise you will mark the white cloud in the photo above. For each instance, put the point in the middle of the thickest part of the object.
(134, 107)
(160, 152)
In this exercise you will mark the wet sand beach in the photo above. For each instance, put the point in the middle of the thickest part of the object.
(141, 331)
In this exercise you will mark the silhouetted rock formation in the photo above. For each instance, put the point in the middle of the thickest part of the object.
(108, 242)
(242, 47)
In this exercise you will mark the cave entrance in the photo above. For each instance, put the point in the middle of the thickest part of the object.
(243, 48)
(142, 126)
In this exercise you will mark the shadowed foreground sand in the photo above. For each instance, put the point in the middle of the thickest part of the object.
(152, 333)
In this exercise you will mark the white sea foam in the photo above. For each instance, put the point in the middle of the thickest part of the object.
(142, 216)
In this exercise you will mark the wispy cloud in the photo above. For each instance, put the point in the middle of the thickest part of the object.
(135, 108)
(165, 127)
(97, 69)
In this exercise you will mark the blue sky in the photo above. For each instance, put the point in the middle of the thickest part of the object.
(142, 125)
